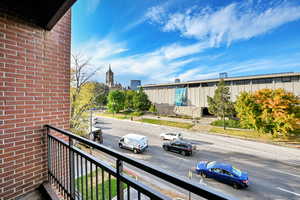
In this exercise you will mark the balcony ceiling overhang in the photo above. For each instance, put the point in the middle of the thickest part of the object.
(43, 13)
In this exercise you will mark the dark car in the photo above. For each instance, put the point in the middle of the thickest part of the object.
(178, 146)
(223, 172)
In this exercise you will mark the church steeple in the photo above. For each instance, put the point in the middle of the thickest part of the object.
(109, 77)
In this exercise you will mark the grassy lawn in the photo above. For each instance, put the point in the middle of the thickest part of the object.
(167, 123)
(92, 176)
(294, 138)
(117, 115)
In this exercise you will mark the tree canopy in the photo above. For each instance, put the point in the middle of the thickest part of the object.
(116, 99)
(268, 111)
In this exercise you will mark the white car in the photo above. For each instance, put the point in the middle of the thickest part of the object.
(136, 143)
(171, 136)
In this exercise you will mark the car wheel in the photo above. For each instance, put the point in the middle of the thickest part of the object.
(183, 153)
(120, 145)
(203, 175)
(235, 186)
(135, 151)
(166, 148)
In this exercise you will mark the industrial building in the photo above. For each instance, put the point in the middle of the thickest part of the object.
(190, 98)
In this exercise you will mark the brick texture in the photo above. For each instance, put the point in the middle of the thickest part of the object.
(34, 90)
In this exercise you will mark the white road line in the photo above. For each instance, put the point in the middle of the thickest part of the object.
(284, 190)
(283, 172)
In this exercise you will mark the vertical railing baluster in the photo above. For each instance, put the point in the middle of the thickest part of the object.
(58, 165)
(97, 193)
(109, 186)
(71, 169)
(77, 175)
(102, 183)
(65, 169)
(91, 179)
(128, 192)
(81, 177)
(119, 165)
(86, 179)
(139, 195)
(49, 154)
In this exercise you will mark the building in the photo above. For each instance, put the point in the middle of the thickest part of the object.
(35, 51)
(134, 84)
(190, 98)
(110, 81)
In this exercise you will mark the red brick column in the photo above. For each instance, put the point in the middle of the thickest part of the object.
(34, 90)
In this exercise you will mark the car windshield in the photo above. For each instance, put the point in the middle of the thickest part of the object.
(236, 171)
(211, 164)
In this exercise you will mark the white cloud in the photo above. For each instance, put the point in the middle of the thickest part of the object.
(234, 22)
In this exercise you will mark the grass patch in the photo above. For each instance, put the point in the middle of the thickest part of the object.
(294, 138)
(230, 123)
(92, 176)
(167, 123)
(117, 115)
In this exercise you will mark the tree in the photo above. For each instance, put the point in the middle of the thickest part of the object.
(153, 108)
(116, 101)
(220, 104)
(101, 93)
(141, 101)
(81, 94)
(268, 111)
(129, 94)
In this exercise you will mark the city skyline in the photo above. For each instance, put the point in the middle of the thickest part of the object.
(158, 41)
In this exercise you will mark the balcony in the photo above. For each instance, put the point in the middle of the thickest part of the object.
(76, 174)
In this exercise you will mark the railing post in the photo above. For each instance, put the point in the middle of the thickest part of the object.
(120, 193)
(71, 169)
(49, 152)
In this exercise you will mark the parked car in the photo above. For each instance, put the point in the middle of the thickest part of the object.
(179, 146)
(136, 143)
(223, 172)
(171, 136)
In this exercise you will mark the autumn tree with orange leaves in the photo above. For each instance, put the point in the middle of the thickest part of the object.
(268, 111)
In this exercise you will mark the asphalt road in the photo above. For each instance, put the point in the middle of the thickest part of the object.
(274, 171)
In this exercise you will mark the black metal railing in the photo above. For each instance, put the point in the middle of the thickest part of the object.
(79, 175)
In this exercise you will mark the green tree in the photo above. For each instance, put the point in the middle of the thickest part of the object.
(101, 93)
(116, 99)
(129, 94)
(268, 111)
(220, 104)
(153, 108)
(141, 101)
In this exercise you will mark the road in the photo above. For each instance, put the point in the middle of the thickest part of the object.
(274, 171)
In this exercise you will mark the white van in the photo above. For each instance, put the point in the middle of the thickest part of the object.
(136, 143)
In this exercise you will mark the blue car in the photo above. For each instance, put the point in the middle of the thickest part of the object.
(223, 172)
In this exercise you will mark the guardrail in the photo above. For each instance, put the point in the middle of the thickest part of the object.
(79, 175)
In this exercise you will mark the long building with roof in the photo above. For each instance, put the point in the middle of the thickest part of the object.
(190, 97)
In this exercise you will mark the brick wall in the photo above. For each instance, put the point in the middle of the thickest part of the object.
(34, 90)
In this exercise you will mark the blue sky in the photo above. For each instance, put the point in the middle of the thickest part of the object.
(160, 40)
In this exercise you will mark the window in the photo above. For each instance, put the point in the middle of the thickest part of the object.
(286, 79)
(226, 173)
(194, 85)
(217, 170)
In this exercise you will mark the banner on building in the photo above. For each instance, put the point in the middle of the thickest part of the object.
(181, 96)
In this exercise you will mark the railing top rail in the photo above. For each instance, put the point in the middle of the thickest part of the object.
(198, 189)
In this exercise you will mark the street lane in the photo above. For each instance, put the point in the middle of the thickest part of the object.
(270, 167)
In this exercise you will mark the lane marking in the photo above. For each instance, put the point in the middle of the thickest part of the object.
(283, 172)
(284, 190)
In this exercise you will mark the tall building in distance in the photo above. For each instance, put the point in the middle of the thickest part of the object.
(109, 78)
(134, 84)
